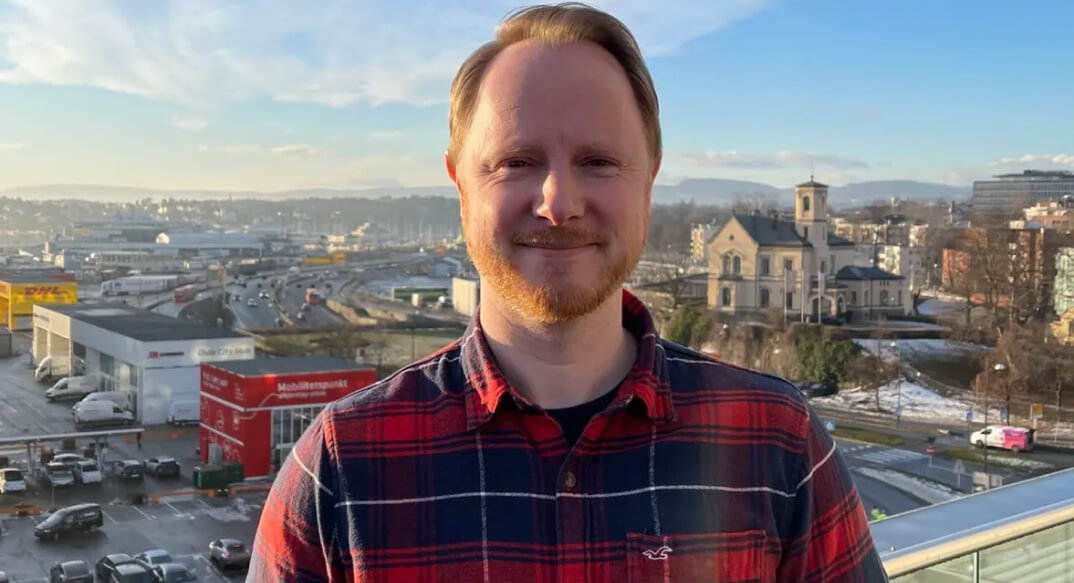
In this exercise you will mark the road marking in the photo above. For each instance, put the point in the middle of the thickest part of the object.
(148, 517)
(212, 567)
(109, 517)
(890, 456)
(203, 503)
(168, 504)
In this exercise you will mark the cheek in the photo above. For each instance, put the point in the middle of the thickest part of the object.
(495, 211)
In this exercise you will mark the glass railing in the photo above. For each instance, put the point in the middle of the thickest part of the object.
(1018, 533)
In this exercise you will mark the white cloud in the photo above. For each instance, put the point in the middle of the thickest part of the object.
(384, 135)
(332, 52)
(190, 124)
(769, 160)
(296, 150)
(289, 150)
(13, 146)
(1043, 161)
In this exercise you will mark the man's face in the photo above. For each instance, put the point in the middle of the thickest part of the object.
(555, 179)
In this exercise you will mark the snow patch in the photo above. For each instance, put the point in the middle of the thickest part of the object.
(1020, 463)
(927, 490)
(917, 402)
(238, 511)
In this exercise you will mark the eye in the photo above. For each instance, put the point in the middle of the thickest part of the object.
(600, 163)
(516, 163)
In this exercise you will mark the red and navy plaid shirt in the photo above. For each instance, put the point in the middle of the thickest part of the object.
(697, 471)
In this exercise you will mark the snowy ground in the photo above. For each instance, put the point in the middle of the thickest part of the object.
(909, 348)
(927, 490)
(918, 402)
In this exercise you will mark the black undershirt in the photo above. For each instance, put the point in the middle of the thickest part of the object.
(574, 419)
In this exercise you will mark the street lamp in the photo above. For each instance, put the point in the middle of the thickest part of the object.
(898, 382)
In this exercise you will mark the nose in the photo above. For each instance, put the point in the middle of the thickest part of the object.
(561, 198)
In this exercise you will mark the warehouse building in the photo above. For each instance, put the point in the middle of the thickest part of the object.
(21, 291)
(154, 357)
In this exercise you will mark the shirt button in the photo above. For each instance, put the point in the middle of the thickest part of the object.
(569, 480)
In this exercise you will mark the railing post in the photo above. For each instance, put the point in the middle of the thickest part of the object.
(976, 566)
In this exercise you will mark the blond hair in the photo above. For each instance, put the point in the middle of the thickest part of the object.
(557, 24)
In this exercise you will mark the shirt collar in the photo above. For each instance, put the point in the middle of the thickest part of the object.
(647, 381)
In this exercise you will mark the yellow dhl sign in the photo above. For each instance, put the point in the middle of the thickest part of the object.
(23, 296)
(317, 260)
(339, 257)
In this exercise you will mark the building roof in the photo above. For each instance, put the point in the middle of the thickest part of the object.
(768, 231)
(140, 324)
(36, 276)
(837, 241)
(258, 367)
(865, 273)
(812, 184)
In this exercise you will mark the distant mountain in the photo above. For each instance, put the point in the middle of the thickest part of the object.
(704, 191)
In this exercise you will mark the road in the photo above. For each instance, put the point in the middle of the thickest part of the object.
(293, 295)
(875, 492)
(262, 314)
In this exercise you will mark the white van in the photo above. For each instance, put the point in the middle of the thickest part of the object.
(184, 413)
(121, 398)
(11, 480)
(71, 388)
(102, 412)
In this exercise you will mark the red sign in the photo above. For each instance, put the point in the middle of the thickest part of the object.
(41, 290)
(929, 451)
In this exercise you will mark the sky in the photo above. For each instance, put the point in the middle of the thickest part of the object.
(278, 95)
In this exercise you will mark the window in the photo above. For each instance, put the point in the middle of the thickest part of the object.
(807, 232)
(725, 296)
(788, 265)
(831, 262)
(790, 300)
(765, 299)
(883, 297)
(854, 298)
(726, 265)
(737, 267)
(766, 266)
(823, 266)
(867, 297)
(805, 205)
(900, 298)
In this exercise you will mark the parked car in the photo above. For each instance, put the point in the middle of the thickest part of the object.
(153, 557)
(229, 552)
(301, 316)
(172, 573)
(77, 518)
(128, 470)
(70, 572)
(88, 472)
(106, 564)
(162, 467)
(251, 303)
(812, 389)
(59, 474)
(12, 480)
(131, 573)
(69, 460)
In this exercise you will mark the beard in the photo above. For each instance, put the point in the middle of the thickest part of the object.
(557, 297)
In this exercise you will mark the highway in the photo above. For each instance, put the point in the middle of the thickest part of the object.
(292, 296)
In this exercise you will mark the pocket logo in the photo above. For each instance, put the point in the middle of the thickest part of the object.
(660, 554)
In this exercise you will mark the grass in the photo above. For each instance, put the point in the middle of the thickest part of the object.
(868, 436)
(999, 458)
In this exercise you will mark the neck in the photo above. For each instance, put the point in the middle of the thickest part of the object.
(564, 365)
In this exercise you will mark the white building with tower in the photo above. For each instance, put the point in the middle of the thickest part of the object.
(759, 263)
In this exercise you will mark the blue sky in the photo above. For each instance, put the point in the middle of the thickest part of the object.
(274, 95)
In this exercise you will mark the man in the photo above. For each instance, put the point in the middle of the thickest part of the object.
(560, 439)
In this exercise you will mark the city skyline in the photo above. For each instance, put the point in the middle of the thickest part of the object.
(275, 96)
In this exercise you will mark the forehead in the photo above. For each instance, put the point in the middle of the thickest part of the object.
(536, 92)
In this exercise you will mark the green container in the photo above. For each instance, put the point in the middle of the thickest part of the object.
(233, 473)
(209, 477)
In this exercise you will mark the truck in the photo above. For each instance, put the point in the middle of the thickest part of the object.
(74, 387)
(139, 285)
(185, 293)
(56, 367)
(313, 297)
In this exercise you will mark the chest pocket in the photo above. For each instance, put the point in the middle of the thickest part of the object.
(734, 557)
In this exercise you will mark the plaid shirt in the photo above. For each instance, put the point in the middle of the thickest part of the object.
(697, 471)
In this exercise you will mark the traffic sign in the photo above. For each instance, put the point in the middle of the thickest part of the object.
(1036, 410)
(929, 451)
(829, 424)
(969, 416)
(898, 411)
(959, 468)
(1003, 414)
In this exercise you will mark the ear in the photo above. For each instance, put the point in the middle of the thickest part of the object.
(452, 172)
(656, 168)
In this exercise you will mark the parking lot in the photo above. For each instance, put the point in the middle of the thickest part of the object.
(183, 526)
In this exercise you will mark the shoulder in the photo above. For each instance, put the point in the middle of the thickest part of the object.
(423, 387)
(699, 378)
